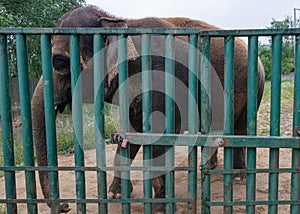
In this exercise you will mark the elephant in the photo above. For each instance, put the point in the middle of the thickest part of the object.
(93, 17)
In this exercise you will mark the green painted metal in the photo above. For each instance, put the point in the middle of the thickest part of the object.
(206, 139)
(99, 120)
(205, 119)
(50, 119)
(209, 140)
(124, 117)
(104, 31)
(161, 31)
(295, 178)
(26, 119)
(193, 120)
(228, 116)
(252, 118)
(170, 116)
(147, 110)
(6, 122)
(275, 118)
(77, 119)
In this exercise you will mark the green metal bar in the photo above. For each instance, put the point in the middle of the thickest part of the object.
(26, 119)
(193, 120)
(170, 116)
(275, 117)
(205, 116)
(124, 116)
(141, 168)
(228, 116)
(209, 140)
(99, 119)
(251, 118)
(152, 200)
(295, 179)
(147, 110)
(50, 119)
(77, 119)
(95, 201)
(110, 31)
(6, 121)
(161, 31)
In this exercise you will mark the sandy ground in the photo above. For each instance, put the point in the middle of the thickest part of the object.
(67, 183)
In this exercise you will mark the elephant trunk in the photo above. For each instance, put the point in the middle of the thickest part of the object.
(39, 134)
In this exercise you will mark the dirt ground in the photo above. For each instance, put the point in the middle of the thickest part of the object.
(67, 183)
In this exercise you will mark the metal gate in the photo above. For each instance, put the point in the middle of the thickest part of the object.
(193, 139)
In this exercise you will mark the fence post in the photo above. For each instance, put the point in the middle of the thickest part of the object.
(147, 121)
(124, 117)
(27, 138)
(228, 116)
(275, 118)
(50, 119)
(205, 119)
(295, 180)
(170, 117)
(251, 118)
(99, 120)
(193, 120)
(77, 119)
(6, 121)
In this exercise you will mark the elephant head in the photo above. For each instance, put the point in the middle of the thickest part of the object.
(79, 17)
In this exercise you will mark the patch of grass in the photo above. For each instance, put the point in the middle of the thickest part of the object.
(65, 127)
(286, 109)
(2, 210)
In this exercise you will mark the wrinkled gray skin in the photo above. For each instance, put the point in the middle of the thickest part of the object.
(92, 17)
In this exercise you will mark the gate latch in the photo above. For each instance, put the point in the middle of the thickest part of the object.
(118, 139)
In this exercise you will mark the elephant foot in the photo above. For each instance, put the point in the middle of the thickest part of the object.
(115, 189)
(64, 208)
(159, 208)
(240, 176)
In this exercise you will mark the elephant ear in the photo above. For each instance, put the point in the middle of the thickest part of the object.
(113, 23)
(112, 46)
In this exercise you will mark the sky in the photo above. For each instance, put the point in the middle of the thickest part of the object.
(227, 14)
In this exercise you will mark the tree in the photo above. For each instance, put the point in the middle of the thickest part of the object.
(265, 50)
(31, 13)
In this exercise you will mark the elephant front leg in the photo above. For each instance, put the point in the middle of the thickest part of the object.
(115, 186)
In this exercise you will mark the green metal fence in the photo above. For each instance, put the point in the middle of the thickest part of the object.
(193, 140)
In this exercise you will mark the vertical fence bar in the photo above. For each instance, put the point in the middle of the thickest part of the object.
(193, 121)
(228, 116)
(295, 180)
(99, 120)
(147, 109)
(6, 121)
(205, 91)
(26, 119)
(170, 116)
(275, 118)
(77, 120)
(251, 118)
(50, 119)
(124, 116)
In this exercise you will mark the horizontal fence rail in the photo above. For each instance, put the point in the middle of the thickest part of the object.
(198, 133)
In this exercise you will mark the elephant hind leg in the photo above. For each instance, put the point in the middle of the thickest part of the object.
(239, 161)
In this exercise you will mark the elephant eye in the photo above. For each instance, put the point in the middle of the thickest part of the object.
(61, 63)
